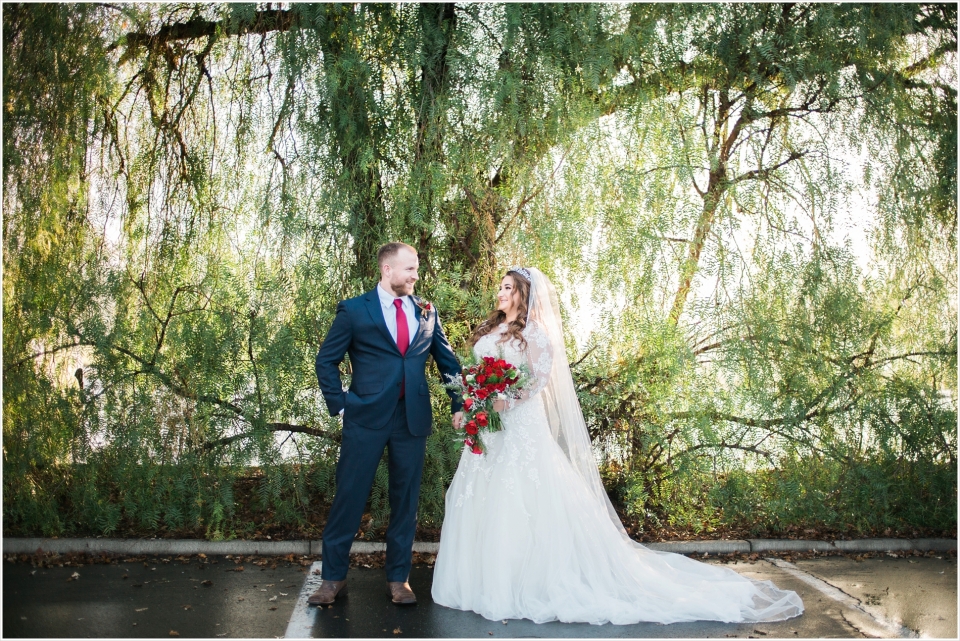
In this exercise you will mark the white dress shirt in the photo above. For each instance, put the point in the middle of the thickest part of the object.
(390, 313)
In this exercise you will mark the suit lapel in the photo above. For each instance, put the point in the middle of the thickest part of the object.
(421, 319)
(416, 314)
(376, 315)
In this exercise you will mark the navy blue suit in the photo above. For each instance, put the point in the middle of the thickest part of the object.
(376, 417)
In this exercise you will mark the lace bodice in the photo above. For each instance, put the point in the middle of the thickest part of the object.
(525, 432)
(537, 356)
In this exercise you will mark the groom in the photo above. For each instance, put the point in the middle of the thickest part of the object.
(389, 333)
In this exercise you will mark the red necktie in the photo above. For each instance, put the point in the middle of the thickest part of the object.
(403, 335)
(403, 332)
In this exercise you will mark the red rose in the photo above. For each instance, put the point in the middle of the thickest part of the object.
(467, 403)
(481, 379)
(482, 419)
(477, 449)
(482, 394)
(468, 442)
(471, 427)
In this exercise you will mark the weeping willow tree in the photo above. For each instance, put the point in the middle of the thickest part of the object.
(189, 189)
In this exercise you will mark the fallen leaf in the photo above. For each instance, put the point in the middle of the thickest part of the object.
(125, 576)
(397, 631)
(239, 568)
(240, 598)
(140, 609)
(202, 555)
(273, 598)
(188, 607)
(272, 607)
(206, 583)
(284, 593)
(174, 633)
(75, 575)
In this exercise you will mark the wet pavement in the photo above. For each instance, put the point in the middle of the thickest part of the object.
(843, 598)
(151, 599)
(917, 593)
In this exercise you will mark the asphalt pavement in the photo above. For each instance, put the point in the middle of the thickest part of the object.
(263, 596)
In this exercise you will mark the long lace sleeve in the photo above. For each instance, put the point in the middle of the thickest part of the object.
(539, 361)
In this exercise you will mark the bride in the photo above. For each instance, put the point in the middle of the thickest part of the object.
(529, 531)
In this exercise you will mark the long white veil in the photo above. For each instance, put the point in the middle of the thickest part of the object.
(758, 600)
(560, 397)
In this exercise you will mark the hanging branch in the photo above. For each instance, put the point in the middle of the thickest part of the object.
(263, 22)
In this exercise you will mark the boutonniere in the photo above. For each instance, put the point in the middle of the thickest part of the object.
(424, 305)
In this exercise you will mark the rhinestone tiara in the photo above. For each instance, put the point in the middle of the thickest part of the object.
(523, 271)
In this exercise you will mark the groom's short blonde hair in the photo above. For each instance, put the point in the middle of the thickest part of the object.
(388, 251)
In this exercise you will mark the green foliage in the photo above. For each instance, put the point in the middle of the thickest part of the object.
(190, 189)
(873, 495)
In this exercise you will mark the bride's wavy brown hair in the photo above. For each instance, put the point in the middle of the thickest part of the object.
(515, 328)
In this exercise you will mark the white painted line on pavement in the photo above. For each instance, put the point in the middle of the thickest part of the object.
(883, 627)
(301, 621)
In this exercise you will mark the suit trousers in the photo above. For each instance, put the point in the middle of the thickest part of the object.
(360, 452)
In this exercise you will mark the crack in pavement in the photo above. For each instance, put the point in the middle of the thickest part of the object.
(851, 624)
(862, 620)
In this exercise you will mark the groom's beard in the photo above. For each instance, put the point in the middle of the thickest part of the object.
(402, 287)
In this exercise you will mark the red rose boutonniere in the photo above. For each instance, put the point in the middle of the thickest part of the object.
(424, 305)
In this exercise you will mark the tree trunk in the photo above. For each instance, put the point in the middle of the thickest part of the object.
(437, 24)
(716, 186)
(349, 118)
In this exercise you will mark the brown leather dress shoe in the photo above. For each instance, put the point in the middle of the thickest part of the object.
(328, 592)
(400, 593)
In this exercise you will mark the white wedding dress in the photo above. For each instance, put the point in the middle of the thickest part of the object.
(526, 536)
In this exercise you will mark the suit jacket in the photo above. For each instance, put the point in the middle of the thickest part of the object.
(358, 329)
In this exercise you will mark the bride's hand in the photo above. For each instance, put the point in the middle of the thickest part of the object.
(499, 406)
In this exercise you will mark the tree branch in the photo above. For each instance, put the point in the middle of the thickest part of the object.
(263, 22)
(273, 427)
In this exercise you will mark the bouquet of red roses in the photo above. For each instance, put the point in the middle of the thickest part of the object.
(481, 384)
